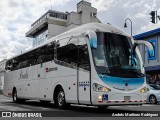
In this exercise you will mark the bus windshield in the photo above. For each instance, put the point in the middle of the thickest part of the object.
(113, 56)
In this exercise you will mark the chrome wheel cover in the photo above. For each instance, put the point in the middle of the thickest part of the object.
(152, 99)
(60, 98)
(15, 96)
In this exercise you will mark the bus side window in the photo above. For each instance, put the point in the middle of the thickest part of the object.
(25, 64)
(50, 52)
(50, 55)
(41, 59)
(49, 58)
(44, 54)
(67, 55)
(16, 66)
(83, 55)
(8, 65)
(83, 58)
(19, 66)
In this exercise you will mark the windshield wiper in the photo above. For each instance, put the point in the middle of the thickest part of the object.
(136, 71)
(110, 68)
(106, 72)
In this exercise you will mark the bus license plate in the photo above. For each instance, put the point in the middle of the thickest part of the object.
(127, 98)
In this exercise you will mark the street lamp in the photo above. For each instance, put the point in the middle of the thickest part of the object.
(125, 24)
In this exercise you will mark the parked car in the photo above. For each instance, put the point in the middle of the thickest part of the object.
(153, 95)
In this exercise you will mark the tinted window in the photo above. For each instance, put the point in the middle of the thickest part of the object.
(83, 58)
(74, 53)
(155, 87)
(37, 56)
(67, 54)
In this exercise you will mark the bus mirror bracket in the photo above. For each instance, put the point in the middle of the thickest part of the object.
(147, 44)
(92, 38)
(139, 42)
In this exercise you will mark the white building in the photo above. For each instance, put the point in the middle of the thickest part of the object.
(53, 22)
(2, 70)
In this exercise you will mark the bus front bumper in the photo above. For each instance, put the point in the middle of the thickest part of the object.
(119, 99)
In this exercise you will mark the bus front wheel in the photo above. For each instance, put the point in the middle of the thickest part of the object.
(15, 98)
(60, 99)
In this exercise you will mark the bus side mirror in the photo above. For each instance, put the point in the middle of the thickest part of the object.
(147, 44)
(92, 38)
(136, 43)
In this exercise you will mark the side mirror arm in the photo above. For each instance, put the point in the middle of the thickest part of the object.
(147, 44)
(139, 42)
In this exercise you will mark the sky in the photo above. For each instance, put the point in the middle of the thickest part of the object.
(18, 15)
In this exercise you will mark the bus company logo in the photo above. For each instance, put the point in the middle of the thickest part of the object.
(84, 84)
(24, 76)
(51, 69)
(126, 84)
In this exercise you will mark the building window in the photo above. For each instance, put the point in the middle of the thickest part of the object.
(154, 44)
(58, 15)
(40, 38)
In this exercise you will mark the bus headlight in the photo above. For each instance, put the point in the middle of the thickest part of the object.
(100, 88)
(144, 90)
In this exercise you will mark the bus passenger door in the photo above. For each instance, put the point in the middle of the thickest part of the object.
(83, 73)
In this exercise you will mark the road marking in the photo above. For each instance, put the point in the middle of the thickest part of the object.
(12, 108)
(36, 107)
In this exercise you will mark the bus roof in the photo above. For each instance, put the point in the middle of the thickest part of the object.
(79, 30)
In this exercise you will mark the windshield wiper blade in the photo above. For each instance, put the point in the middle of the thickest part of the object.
(106, 72)
(136, 71)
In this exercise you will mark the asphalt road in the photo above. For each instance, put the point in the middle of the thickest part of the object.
(77, 112)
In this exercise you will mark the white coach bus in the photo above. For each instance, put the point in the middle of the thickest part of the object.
(94, 64)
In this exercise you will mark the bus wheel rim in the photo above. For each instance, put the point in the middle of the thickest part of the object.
(61, 98)
(15, 96)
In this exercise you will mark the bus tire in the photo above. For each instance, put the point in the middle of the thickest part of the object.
(15, 97)
(60, 99)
